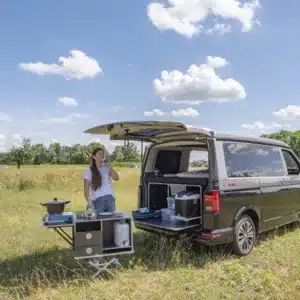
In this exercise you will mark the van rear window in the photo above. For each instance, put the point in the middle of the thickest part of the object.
(168, 161)
(251, 160)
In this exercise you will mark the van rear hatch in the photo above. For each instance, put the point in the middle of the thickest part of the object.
(148, 131)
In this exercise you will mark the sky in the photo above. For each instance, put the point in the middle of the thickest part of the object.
(228, 65)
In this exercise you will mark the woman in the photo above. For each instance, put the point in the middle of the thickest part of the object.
(98, 189)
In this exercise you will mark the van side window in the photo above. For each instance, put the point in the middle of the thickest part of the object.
(291, 163)
(252, 160)
(198, 160)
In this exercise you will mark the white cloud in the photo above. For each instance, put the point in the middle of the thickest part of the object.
(200, 83)
(188, 17)
(76, 66)
(154, 112)
(119, 108)
(2, 139)
(69, 119)
(262, 127)
(195, 126)
(187, 112)
(254, 125)
(219, 29)
(3, 149)
(289, 112)
(67, 101)
(17, 137)
(5, 117)
(16, 140)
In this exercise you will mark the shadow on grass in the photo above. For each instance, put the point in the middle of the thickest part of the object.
(22, 275)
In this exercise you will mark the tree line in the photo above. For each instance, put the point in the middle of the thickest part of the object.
(56, 153)
(292, 138)
(37, 154)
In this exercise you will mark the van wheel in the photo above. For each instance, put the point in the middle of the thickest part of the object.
(244, 236)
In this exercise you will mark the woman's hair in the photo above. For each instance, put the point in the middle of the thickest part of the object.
(96, 176)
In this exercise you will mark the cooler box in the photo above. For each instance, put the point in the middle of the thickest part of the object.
(187, 204)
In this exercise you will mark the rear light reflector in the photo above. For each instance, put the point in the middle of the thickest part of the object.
(212, 201)
(211, 235)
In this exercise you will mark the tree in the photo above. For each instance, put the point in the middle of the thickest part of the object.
(17, 155)
(289, 137)
(23, 154)
(126, 153)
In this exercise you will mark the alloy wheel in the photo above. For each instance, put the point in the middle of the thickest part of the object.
(246, 236)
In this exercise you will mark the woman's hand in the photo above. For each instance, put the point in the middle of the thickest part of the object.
(113, 174)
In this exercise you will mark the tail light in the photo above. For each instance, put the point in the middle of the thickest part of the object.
(212, 201)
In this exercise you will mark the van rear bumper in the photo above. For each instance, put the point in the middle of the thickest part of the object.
(214, 237)
(203, 236)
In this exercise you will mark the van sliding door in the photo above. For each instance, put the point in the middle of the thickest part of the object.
(291, 185)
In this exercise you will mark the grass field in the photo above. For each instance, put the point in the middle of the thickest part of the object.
(37, 264)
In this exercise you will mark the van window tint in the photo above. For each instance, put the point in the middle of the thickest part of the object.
(250, 160)
(291, 163)
(198, 160)
(168, 161)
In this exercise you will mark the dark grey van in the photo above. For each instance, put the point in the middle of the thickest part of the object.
(246, 185)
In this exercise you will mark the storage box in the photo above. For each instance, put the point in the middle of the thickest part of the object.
(187, 205)
(166, 214)
(171, 202)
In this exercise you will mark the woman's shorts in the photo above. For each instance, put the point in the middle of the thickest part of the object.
(106, 203)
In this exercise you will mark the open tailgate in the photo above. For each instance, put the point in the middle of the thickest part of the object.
(149, 131)
(137, 131)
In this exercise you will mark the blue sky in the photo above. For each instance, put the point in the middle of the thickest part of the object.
(130, 44)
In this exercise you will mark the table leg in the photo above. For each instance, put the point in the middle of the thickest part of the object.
(65, 236)
(101, 266)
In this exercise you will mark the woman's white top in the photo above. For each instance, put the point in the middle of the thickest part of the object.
(106, 187)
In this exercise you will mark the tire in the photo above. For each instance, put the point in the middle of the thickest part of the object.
(244, 236)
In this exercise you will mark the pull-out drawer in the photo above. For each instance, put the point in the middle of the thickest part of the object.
(88, 238)
(88, 251)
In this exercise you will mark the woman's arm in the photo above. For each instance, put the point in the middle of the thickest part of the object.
(86, 190)
(113, 174)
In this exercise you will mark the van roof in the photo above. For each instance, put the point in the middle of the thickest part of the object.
(241, 138)
(238, 138)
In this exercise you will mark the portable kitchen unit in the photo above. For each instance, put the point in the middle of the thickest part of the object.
(96, 239)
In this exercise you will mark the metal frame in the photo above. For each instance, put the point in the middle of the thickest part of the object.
(101, 265)
(168, 225)
(101, 262)
(58, 228)
(69, 239)
(169, 184)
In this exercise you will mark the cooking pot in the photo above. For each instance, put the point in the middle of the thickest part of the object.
(55, 206)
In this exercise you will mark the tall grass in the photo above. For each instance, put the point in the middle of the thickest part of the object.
(37, 264)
